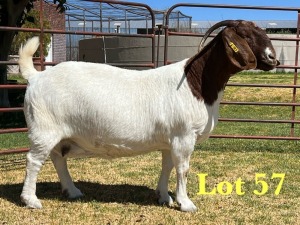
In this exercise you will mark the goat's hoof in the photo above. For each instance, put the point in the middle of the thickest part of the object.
(187, 206)
(72, 194)
(166, 201)
(31, 202)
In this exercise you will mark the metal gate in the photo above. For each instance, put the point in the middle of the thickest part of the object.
(293, 104)
(149, 16)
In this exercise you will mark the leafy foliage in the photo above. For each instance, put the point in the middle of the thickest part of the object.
(32, 21)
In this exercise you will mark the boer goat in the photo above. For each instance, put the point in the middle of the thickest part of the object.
(87, 109)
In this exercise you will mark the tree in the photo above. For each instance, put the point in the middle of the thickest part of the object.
(13, 13)
(21, 37)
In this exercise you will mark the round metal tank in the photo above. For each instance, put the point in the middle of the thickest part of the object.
(135, 50)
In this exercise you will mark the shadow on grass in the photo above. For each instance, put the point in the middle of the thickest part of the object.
(105, 193)
(244, 146)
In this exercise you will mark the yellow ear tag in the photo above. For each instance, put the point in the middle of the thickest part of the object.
(234, 48)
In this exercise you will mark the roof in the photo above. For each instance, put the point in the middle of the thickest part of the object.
(276, 24)
(85, 10)
(95, 14)
(260, 23)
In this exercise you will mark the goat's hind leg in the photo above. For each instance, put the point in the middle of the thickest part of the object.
(39, 151)
(60, 164)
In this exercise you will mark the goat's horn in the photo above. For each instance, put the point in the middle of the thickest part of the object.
(228, 23)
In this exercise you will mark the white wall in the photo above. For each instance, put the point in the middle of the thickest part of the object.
(138, 50)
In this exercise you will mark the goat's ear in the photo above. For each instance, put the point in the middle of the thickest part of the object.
(238, 50)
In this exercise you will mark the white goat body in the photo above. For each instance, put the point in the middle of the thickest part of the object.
(95, 109)
(87, 109)
(113, 112)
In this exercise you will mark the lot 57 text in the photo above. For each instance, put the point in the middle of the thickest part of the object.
(226, 188)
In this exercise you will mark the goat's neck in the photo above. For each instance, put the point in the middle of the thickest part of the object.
(208, 72)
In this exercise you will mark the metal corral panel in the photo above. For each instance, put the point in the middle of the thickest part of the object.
(135, 50)
(285, 50)
(120, 50)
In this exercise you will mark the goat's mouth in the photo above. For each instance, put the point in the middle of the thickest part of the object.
(267, 64)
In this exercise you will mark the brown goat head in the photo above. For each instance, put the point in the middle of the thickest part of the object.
(244, 40)
(241, 45)
(238, 50)
(258, 42)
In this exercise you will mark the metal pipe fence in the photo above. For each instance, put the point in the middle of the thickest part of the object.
(293, 104)
(41, 31)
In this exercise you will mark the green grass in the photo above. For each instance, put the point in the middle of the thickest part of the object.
(18, 78)
(122, 191)
(254, 94)
(13, 141)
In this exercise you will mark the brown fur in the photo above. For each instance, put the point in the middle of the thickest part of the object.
(228, 53)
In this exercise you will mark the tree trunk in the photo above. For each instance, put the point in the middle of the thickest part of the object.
(11, 12)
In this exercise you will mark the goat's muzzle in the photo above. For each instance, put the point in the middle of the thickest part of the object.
(267, 65)
(268, 61)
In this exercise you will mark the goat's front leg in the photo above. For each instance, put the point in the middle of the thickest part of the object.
(67, 185)
(162, 187)
(181, 153)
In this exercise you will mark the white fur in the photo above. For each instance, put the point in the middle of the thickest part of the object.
(268, 51)
(25, 59)
(100, 110)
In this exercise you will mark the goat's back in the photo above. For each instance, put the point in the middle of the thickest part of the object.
(94, 100)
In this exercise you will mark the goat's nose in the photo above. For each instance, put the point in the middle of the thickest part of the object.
(271, 56)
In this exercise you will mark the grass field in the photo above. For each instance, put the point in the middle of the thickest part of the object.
(122, 191)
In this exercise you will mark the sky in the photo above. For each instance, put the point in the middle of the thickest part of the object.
(205, 14)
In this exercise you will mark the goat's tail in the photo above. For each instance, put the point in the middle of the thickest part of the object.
(25, 57)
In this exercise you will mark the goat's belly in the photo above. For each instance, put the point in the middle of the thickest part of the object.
(107, 151)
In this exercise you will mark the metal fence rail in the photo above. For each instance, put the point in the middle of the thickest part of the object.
(43, 31)
(294, 87)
